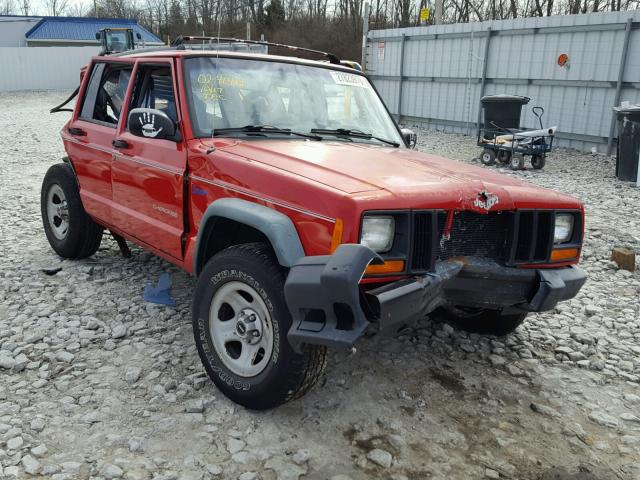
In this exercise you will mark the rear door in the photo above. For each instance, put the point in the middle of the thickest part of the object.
(148, 173)
(91, 133)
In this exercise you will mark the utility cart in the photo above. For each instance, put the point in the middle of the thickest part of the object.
(502, 139)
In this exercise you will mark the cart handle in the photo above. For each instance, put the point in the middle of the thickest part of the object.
(538, 112)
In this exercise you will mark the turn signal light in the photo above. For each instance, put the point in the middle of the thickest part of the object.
(564, 254)
(336, 238)
(390, 266)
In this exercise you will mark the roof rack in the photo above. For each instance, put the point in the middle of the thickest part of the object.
(180, 44)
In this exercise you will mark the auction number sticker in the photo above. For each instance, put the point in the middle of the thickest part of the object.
(350, 79)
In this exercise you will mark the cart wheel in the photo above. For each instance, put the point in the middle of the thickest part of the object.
(504, 156)
(488, 157)
(516, 162)
(538, 161)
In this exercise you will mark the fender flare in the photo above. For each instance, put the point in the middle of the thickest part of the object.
(276, 226)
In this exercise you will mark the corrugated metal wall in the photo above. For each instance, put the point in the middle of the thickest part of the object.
(43, 68)
(434, 75)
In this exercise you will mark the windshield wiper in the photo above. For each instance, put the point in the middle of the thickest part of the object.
(263, 129)
(345, 132)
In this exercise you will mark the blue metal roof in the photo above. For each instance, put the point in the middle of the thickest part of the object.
(83, 28)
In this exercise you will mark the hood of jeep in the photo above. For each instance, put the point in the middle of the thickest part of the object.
(413, 178)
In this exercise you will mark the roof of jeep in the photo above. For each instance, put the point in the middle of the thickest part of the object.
(172, 52)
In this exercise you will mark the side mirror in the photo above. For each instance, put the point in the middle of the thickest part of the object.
(410, 137)
(151, 123)
(98, 36)
(138, 36)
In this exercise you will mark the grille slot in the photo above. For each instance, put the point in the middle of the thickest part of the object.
(534, 236)
(422, 241)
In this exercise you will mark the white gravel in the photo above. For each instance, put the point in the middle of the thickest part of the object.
(94, 382)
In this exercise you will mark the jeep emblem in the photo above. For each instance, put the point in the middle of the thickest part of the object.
(486, 200)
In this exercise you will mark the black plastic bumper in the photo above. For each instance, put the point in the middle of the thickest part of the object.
(329, 308)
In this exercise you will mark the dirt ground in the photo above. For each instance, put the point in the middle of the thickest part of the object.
(97, 383)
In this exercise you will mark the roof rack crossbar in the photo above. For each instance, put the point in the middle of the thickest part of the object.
(182, 39)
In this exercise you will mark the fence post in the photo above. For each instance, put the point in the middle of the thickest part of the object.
(365, 32)
(483, 80)
(404, 38)
(623, 63)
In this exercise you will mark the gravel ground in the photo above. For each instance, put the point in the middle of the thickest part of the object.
(96, 383)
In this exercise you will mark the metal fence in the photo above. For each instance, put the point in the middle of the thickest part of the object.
(42, 68)
(435, 76)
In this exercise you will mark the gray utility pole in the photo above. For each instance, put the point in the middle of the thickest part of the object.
(248, 30)
(437, 17)
(365, 31)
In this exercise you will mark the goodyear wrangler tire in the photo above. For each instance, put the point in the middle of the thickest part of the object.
(240, 324)
(70, 231)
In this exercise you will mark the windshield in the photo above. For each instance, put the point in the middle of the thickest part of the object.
(231, 93)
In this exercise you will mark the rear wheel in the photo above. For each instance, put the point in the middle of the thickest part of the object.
(70, 231)
(538, 161)
(488, 157)
(479, 320)
(504, 156)
(240, 322)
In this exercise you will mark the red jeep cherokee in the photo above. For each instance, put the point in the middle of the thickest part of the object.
(287, 189)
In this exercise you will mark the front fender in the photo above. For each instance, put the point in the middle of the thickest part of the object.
(276, 226)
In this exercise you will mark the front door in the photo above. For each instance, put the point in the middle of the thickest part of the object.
(148, 173)
(91, 133)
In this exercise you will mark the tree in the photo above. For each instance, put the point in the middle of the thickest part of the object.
(56, 8)
(6, 7)
(274, 14)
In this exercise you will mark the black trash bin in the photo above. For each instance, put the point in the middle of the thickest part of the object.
(628, 152)
(501, 113)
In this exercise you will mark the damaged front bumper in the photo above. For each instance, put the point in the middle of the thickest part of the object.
(329, 308)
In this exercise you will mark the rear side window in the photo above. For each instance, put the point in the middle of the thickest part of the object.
(154, 89)
(106, 93)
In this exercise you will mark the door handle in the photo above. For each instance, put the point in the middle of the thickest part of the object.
(121, 144)
(77, 132)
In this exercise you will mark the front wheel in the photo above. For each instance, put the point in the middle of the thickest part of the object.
(240, 323)
(479, 320)
(516, 162)
(488, 157)
(70, 231)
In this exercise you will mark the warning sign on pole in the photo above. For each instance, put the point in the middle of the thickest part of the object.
(424, 15)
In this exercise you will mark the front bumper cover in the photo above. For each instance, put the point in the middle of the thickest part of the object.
(329, 308)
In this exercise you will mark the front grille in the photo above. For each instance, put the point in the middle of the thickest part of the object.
(475, 235)
(506, 237)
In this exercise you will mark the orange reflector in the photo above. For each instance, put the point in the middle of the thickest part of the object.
(336, 238)
(391, 266)
(564, 254)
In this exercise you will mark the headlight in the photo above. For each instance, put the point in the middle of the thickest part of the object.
(377, 233)
(564, 228)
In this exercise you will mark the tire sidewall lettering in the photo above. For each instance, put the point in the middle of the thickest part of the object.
(216, 281)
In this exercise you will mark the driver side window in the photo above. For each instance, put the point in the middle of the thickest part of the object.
(105, 93)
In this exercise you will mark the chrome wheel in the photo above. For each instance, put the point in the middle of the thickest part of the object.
(57, 212)
(241, 329)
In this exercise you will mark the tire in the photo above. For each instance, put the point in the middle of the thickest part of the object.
(71, 232)
(516, 162)
(488, 157)
(504, 156)
(482, 321)
(538, 161)
(250, 277)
